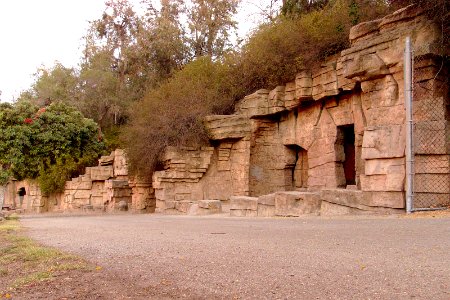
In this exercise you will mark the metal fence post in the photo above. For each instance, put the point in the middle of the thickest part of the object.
(409, 125)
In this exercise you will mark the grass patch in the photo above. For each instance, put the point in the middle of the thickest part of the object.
(9, 226)
(12, 217)
(24, 262)
(32, 278)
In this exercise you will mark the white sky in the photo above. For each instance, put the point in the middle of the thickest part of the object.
(39, 32)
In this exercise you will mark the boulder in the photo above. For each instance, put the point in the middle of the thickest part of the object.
(243, 206)
(227, 126)
(102, 172)
(294, 204)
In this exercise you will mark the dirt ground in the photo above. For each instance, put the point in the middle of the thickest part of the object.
(171, 257)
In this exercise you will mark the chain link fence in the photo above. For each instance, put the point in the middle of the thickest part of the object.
(431, 131)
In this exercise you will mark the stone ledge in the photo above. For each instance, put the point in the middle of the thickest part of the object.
(294, 204)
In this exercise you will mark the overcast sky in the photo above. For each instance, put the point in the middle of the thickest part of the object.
(39, 32)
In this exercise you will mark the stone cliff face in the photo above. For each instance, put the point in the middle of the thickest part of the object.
(106, 187)
(334, 137)
(332, 141)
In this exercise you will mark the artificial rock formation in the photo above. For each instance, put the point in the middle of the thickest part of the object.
(105, 187)
(332, 141)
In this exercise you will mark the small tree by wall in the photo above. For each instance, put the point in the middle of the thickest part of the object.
(50, 144)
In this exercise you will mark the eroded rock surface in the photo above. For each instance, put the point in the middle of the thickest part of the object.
(332, 141)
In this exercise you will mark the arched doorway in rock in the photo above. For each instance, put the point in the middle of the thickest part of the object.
(346, 143)
(21, 192)
(296, 170)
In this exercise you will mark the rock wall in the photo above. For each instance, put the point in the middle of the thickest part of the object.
(332, 140)
(26, 196)
(105, 187)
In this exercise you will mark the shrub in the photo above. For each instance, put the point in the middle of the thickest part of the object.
(277, 51)
(172, 114)
(50, 144)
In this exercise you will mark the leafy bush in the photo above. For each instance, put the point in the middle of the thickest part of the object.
(50, 144)
(277, 51)
(172, 114)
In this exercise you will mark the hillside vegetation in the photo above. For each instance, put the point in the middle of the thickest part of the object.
(148, 80)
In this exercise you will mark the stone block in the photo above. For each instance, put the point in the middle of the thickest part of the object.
(366, 66)
(116, 184)
(85, 178)
(106, 160)
(403, 14)
(363, 29)
(384, 199)
(276, 99)
(389, 182)
(126, 192)
(243, 213)
(266, 210)
(83, 185)
(332, 209)
(303, 85)
(87, 171)
(97, 201)
(243, 203)
(383, 202)
(349, 198)
(256, 104)
(118, 199)
(296, 203)
(384, 166)
(267, 200)
(169, 204)
(102, 172)
(383, 142)
(213, 205)
(82, 194)
(183, 206)
(120, 163)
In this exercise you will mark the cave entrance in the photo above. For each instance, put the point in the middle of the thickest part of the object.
(296, 168)
(347, 138)
(21, 192)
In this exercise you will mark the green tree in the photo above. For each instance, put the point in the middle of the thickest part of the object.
(210, 24)
(172, 114)
(56, 83)
(49, 144)
(297, 7)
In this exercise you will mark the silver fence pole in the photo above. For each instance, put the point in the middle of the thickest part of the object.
(409, 125)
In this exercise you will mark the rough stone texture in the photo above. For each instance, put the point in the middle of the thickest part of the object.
(332, 209)
(120, 163)
(338, 128)
(193, 174)
(102, 188)
(227, 127)
(297, 137)
(363, 201)
(142, 196)
(102, 172)
(243, 203)
(242, 206)
(2, 196)
(294, 204)
(205, 207)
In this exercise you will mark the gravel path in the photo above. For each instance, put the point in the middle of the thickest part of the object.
(253, 258)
